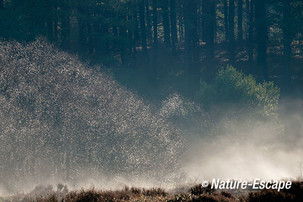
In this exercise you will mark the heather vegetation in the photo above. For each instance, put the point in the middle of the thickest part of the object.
(195, 193)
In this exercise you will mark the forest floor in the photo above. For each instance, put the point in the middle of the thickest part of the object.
(195, 193)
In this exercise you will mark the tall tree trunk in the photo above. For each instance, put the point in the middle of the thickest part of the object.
(181, 26)
(204, 19)
(55, 24)
(142, 24)
(83, 32)
(240, 20)
(231, 32)
(261, 29)
(166, 26)
(130, 35)
(65, 29)
(210, 15)
(1, 4)
(250, 33)
(48, 7)
(188, 43)
(148, 21)
(190, 28)
(195, 38)
(226, 20)
(136, 26)
(247, 7)
(101, 46)
(200, 19)
(173, 22)
(74, 33)
(123, 35)
(287, 39)
(155, 22)
(152, 68)
(191, 44)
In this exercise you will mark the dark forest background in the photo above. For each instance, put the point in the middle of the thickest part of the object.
(160, 46)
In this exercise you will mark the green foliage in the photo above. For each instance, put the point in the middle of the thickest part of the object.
(239, 94)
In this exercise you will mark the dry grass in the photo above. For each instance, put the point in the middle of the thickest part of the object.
(195, 193)
(293, 194)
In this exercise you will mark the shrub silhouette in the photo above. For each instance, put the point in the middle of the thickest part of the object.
(295, 193)
(198, 190)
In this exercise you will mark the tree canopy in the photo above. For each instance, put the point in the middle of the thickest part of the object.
(168, 42)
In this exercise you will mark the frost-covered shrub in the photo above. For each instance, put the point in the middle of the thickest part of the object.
(58, 117)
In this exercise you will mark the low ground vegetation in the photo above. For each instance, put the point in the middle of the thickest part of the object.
(195, 193)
